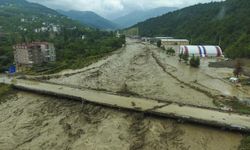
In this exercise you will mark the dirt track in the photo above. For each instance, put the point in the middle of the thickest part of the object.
(29, 121)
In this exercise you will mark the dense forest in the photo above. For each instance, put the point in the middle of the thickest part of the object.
(223, 23)
(23, 22)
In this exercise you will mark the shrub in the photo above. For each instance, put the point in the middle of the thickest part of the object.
(180, 56)
(185, 57)
(159, 43)
(245, 143)
(238, 69)
(195, 61)
(4, 89)
(171, 51)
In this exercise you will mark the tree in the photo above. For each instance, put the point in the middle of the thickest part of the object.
(238, 69)
(194, 61)
(123, 39)
(159, 43)
(171, 51)
(185, 57)
(180, 57)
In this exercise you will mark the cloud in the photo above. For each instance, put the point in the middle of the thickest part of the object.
(115, 8)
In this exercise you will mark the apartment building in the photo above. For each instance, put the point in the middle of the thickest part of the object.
(34, 53)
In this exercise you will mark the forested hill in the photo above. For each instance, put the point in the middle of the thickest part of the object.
(23, 22)
(226, 23)
(20, 15)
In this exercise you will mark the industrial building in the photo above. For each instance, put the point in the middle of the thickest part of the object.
(174, 43)
(36, 53)
(146, 39)
(162, 37)
(201, 50)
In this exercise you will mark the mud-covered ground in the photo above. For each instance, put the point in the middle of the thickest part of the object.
(143, 70)
(30, 121)
(231, 64)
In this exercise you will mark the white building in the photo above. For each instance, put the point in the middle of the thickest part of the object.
(118, 35)
(202, 50)
(55, 29)
(43, 29)
(83, 37)
(37, 30)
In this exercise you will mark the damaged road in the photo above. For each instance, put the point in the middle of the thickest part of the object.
(31, 121)
(202, 115)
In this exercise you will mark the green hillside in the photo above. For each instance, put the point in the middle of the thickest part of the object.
(16, 15)
(90, 18)
(22, 21)
(225, 23)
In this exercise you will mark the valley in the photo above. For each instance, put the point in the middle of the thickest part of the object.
(129, 75)
(137, 70)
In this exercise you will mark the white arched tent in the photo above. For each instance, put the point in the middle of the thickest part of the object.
(202, 51)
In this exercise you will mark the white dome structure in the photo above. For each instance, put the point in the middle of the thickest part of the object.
(202, 51)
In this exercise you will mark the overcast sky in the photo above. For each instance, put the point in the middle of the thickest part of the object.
(115, 8)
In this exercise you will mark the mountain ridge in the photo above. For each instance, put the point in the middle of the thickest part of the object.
(89, 18)
(141, 15)
(225, 23)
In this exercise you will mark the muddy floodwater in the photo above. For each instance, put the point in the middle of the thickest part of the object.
(143, 70)
(30, 121)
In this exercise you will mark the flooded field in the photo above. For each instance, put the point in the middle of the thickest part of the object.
(212, 80)
(30, 121)
(144, 70)
(135, 71)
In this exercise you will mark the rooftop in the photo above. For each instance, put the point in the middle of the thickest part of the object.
(31, 44)
(163, 37)
(174, 40)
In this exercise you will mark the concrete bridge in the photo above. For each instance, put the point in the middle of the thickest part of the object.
(217, 118)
